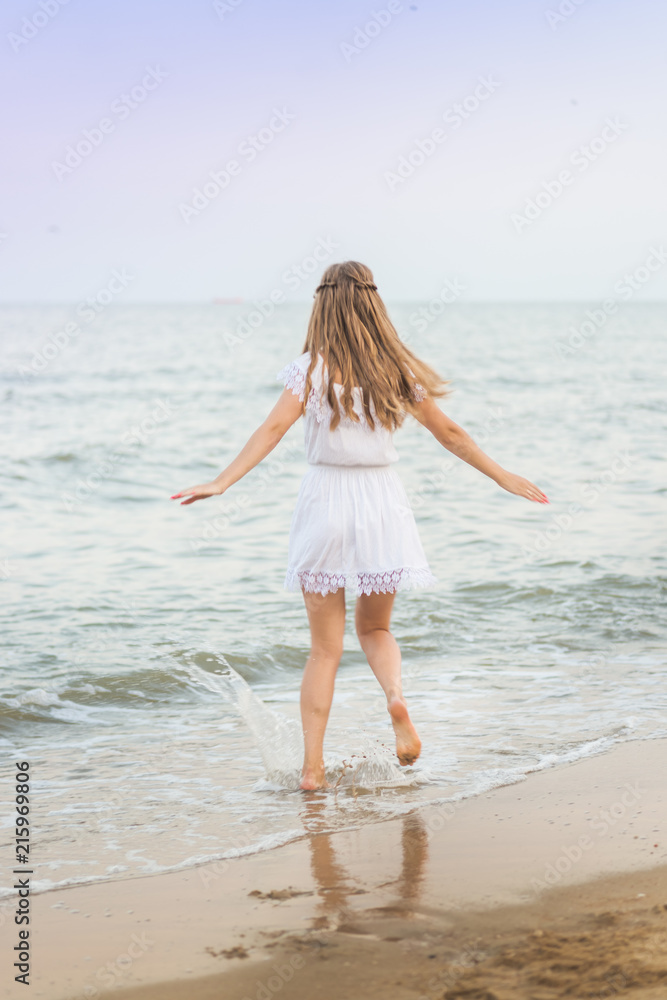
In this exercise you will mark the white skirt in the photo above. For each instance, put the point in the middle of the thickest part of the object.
(353, 527)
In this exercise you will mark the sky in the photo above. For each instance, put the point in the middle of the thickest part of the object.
(228, 149)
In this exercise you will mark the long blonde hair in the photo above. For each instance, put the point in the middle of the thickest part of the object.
(350, 328)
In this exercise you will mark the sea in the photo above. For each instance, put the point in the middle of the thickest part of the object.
(151, 658)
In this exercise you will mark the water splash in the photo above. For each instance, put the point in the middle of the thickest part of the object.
(279, 739)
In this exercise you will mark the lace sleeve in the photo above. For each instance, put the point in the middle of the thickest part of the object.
(294, 378)
(418, 390)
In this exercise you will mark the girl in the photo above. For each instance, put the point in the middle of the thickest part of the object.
(352, 526)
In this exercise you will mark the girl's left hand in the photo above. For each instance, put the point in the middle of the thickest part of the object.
(522, 487)
(198, 493)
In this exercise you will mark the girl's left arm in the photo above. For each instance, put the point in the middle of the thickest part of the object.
(285, 413)
(455, 439)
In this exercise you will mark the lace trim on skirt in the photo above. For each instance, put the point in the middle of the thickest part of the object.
(405, 578)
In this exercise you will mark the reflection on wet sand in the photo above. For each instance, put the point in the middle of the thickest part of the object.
(414, 841)
(334, 882)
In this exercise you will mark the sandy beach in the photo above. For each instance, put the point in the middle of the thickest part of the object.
(555, 886)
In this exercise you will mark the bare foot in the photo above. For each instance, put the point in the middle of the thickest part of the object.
(408, 744)
(313, 778)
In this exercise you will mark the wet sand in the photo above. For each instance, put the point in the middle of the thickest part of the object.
(553, 887)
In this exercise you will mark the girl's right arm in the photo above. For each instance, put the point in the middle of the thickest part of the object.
(286, 412)
(455, 439)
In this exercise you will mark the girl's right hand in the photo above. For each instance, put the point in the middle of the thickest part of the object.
(522, 487)
(198, 493)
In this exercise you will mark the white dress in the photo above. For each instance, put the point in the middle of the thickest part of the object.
(352, 525)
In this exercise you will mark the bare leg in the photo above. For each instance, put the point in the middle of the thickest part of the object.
(326, 616)
(373, 614)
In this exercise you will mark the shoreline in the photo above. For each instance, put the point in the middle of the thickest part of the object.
(437, 803)
(582, 831)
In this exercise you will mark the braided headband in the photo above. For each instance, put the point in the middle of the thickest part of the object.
(359, 284)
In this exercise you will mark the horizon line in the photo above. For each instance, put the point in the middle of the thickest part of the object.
(252, 302)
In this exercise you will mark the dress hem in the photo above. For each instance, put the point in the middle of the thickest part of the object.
(383, 582)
